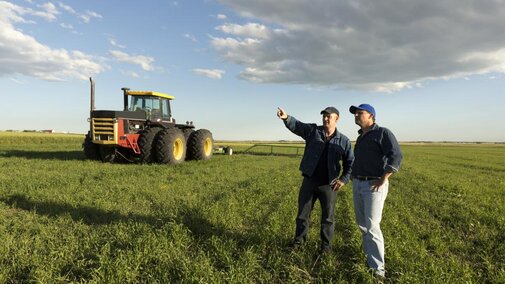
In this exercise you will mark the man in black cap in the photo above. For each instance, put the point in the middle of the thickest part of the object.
(378, 156)
(325, 147)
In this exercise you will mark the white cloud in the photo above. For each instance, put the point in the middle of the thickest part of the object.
(248, 30)
(114, 42)
(145, 62)
(191, 37)
(221, 17)
(17, 81)
(49, 12)
(131, 74)
(379, 45)
(67, 8)
(67, 26)
(23, 54)
(209, 73)
(86, 18)
(11, 13)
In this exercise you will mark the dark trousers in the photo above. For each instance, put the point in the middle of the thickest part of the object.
(309, 192)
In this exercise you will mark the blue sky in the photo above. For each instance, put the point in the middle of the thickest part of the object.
(433, 70)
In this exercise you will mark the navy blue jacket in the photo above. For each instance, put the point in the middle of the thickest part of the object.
(377, 152)
(339, 149)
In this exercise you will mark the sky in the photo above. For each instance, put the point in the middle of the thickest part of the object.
(433, 70)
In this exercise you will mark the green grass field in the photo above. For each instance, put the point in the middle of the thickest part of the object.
(64, 219)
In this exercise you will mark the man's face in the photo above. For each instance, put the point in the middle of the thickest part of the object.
(330, 120)
(363, 118)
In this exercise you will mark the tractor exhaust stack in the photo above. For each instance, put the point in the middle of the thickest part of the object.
(92, 107)
(125, 98)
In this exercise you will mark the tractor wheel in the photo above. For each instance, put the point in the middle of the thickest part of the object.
(146, 144)
(171, 146)
(107, 154)
(187, 133)
(200, 145)
(90, 149)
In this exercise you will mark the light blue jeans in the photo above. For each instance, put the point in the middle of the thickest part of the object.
(368, 207)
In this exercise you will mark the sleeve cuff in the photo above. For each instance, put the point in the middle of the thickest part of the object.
(391, 169)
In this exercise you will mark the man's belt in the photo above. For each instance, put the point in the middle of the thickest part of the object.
(366, 178)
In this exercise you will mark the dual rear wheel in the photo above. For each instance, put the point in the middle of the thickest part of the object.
(173, 145)
(200, 145)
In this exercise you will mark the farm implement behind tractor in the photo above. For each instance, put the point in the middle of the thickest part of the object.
(143, 131)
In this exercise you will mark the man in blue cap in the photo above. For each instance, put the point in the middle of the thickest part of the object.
(377, 157)
(325, 147)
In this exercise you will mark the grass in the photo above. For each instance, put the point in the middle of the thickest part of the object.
(64, 219)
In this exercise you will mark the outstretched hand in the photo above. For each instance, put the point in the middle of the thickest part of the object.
(281, 113)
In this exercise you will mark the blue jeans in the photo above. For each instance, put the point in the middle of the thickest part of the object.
(368, 207)
(310, 191)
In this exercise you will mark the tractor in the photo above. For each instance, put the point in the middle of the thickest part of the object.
(144, 131)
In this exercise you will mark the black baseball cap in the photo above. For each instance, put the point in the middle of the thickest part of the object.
(330, 110)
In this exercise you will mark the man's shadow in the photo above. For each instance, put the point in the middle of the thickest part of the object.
(348, 253)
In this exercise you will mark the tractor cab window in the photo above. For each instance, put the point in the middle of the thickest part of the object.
(151, 105)
(165, 106)
(156, 108)
(145, 103)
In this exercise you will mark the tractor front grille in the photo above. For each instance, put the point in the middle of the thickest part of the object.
(104, 130)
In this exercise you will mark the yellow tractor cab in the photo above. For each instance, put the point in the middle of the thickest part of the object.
(155, 105)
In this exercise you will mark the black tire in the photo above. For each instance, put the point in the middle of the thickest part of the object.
(171, 146)
(146, 144)
(187, 132)
(107, 154)
(200, 145)
(90, 149)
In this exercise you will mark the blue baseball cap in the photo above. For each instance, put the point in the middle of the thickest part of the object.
(365, 107)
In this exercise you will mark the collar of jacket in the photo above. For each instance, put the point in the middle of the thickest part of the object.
(323, 134)
(374, 127)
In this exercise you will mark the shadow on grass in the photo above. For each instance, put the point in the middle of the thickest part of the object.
(347, 252)
(205, 233)
(86, 214)
(200, 228)
(44, 155)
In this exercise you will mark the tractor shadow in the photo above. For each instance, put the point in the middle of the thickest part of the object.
(199, 227)
(206, 236)
(41, 155)
(85, 214)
